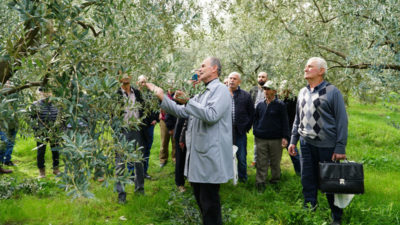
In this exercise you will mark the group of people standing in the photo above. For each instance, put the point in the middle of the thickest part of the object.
(203, 129)
(222, 115)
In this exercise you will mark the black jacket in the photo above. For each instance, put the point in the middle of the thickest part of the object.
(291, 110)
(244, 111)
(147, 120)
(170, 121)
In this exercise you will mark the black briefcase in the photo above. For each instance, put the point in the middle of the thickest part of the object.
(341, 178)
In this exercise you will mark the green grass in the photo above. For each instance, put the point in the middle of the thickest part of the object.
(372, 140)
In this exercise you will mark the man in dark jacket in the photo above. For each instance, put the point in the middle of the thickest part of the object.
(271, 131)
(290, 101)
(129, 98)
(150, 119)
(242, 119)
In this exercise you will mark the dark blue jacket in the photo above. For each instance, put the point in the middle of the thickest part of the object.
(271, 120)
(244, 111)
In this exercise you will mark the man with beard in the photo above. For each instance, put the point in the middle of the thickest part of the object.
(257, 96)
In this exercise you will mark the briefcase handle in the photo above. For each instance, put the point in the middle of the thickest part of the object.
(338, 161)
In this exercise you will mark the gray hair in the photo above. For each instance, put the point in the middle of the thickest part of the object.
(236, 73)
(216, 61)
(320, 62)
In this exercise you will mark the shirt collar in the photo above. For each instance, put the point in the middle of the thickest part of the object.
(209, 82)
(238, 89)
(126, 94)
(318, 87)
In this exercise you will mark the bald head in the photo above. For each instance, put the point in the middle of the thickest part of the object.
(262, 78)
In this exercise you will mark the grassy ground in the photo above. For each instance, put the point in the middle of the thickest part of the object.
(372, 140)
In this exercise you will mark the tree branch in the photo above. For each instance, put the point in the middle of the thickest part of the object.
(87, 4)
(342, 55)
(8, 91)
(369, 65)
(334, 61)
(22, 48)
(239, 67)
(86, 26)
(257, 68)
(319, 12)
(280, 19)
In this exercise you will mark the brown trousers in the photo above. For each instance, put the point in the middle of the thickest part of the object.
(165, 137)
(269, 154)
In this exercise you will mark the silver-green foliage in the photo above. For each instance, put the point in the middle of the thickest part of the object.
(78, 50)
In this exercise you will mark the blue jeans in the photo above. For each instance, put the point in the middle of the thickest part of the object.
(310, 157)
(5, 156)
(241, 142)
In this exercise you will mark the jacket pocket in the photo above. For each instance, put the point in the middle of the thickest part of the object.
(201, 143)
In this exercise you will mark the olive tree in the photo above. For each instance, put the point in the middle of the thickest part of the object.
(78, 50)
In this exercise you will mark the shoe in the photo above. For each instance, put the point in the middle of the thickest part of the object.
(139, 191)
(273, 181)
(42, 173)
(336, 222)
(9, 163)
(260, 187)
(242, 180)
(147, 176)
(181, 189)
(56, 171)
(162, 165)
(100, 179)
(309, 206)
(3, 171)
(122, 198)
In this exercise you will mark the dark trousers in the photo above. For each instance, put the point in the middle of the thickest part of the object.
(130, 135)
(180, 155)
(310, 157)
(149, 130)
(207, 197)
(41, 150)
(295, 160)
(240, 140)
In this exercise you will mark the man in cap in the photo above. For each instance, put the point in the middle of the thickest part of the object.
(271, 132)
